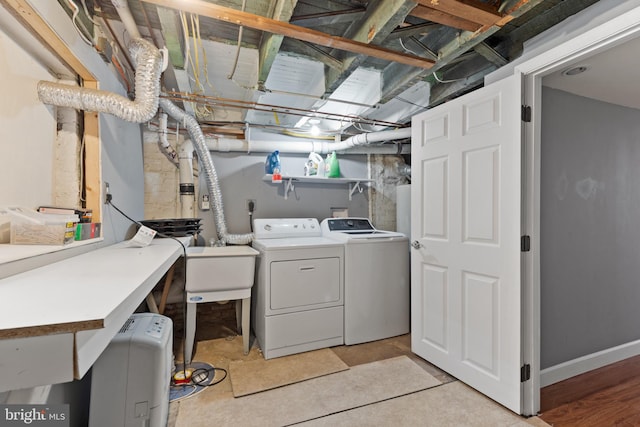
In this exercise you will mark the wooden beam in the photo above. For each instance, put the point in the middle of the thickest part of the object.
(375, 26)
(257, 22)
(172, 33)
(313, 51)
(328, 18)
(433, 15)
(25, 14)
(413, 30)
(471, 11)
(490, 54)
(92, 163)
(270, 45)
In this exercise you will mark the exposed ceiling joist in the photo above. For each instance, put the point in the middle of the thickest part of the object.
(327, 18)
(413, 30)
(172, 33)
(472, 11)
(433, 15)
(271, 43)
(284, 28)
(451, 52)
(375, 26)
(316, 54)
(490, 54)
(312, 51)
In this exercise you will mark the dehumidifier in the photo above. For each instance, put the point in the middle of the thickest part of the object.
(131, 378)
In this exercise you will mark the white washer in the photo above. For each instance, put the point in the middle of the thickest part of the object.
(377, 284)
(299, 291)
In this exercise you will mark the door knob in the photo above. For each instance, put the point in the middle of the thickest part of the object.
(416, 244)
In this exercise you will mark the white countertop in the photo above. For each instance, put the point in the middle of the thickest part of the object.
(56, 320)
(80, 293)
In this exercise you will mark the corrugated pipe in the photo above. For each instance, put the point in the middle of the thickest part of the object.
(198, 140)
(163, 141)
(148, 63)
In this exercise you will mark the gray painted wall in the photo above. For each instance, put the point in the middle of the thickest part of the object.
(590, 226)
(240, 177)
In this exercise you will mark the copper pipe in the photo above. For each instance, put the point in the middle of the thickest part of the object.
(238, 104)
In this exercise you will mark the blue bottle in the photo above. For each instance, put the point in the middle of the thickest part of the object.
(272, 164)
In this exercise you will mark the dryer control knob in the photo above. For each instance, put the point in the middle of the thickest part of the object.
(267, 227)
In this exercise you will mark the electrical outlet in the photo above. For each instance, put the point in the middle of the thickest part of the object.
(106, 192)
(251, 205)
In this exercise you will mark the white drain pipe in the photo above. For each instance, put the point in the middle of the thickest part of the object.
(300, 147)
(187, 188)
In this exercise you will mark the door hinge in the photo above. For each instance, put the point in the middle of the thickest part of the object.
(525, 373)
(526, 113)
(525, 243)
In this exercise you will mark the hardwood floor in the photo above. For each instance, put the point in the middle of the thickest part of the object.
(609, 396)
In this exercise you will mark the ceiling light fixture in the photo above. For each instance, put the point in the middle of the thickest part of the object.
(574, 71)
(315, 130)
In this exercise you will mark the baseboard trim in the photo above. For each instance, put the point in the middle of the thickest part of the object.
(588, 363)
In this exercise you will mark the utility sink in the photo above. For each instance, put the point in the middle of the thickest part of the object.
(224, 268)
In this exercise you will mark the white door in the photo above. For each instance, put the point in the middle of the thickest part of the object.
(465, 260)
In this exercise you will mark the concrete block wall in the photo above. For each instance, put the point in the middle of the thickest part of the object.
(384, 171)
(67, 164)
(161, 179)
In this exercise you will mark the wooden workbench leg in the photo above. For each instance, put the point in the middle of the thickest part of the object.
(165, 291)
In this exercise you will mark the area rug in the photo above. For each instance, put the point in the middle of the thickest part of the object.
(253, 376)
(318, 397)
(453, 404)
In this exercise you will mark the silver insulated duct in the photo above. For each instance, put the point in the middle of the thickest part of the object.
(204, 156)
(148, 65)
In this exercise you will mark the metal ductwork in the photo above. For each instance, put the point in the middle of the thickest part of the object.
(204, 156)
(148, 63)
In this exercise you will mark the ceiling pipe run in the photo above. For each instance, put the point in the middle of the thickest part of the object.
(299, 147)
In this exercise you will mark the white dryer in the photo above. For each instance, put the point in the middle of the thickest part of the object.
(376, 284)
(298, 298)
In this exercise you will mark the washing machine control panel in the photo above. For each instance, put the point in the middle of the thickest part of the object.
(349, 224)
(274, 228)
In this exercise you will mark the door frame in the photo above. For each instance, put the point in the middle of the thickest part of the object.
(616, 31)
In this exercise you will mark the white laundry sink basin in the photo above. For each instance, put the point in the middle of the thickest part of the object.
(224, 268)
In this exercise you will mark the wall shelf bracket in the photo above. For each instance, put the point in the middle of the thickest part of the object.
(353, 188)
(288, 186)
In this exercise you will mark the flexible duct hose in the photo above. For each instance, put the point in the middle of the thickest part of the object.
(148, 64)
(204, 156)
